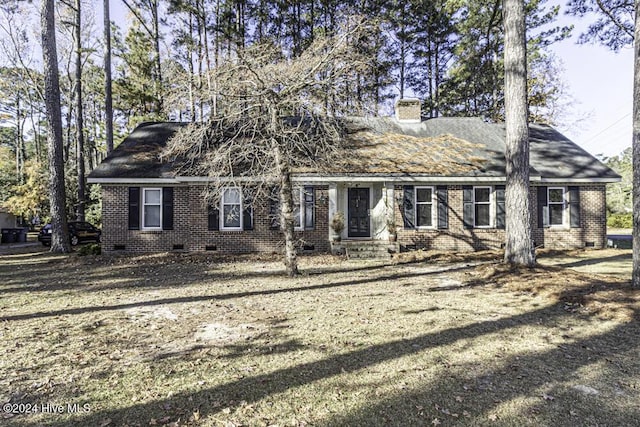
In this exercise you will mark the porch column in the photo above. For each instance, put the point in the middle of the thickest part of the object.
(390, 203)
(333, 206)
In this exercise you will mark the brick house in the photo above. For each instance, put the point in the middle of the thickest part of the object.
(438, 182)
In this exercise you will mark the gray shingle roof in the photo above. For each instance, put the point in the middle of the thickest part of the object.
(138, 156)
(453, 147)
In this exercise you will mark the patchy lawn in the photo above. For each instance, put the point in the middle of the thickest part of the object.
(192, 340)
(610, 262)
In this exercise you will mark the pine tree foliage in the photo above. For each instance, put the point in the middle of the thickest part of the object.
(619, 194)
(614, 24)
(474, 84)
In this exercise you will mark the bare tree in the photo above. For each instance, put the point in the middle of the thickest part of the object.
(59, 237)
(519, 245)
(272, 124)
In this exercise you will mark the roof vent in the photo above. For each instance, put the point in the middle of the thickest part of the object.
(408, 110)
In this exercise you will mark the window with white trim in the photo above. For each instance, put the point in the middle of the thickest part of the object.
(482, 206)
(231, 209)
(556, 202)
(151, 208)
(298, 212)
(425, 212)
(303, 208)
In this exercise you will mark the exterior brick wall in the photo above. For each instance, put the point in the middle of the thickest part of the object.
(191, 231)
(408, 110)
(591, 233)
(190, 225)
(456, 237)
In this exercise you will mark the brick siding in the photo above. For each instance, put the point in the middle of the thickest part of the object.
(190, 226)
(591, 233)
(593, 222)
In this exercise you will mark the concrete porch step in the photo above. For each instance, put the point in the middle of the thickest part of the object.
(367, 249)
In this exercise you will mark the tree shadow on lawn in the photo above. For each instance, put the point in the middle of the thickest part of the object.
(594, 261)
(81, 274)
(233, 295)
(44, 272)
(535, 388)
(405, 407)
(529, 389)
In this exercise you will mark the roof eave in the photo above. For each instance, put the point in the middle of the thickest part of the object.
(355, 178)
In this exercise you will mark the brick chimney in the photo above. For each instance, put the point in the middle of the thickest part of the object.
(408, 110)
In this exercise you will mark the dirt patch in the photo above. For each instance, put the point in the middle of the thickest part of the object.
(219, 333)
(138, 314)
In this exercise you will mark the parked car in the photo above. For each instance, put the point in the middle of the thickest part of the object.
(78, 232)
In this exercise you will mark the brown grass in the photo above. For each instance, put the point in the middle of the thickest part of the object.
(428, 339)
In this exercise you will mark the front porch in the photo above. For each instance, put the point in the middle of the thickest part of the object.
(367, 210)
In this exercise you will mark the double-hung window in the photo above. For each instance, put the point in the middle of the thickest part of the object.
(151, 208)
(231, 208)
(482, 206)
(425, 207)
(298, 212)
(303, 207)
(559, 207)
(556, 205)
(425, 212)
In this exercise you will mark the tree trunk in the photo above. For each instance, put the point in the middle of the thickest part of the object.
(635, 275)
(59, 237)
(79, 115)
(34, 117)
(436, 82)
(286, 214)
(156, 44)
(192, 102)
(519, 245)
(108, 96)
(402, 65)
(20, 146)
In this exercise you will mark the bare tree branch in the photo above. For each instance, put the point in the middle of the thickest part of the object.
(272, 122)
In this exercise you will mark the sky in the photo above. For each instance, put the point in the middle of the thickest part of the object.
(599, 80)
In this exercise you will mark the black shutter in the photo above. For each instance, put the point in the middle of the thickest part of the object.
(574, 207)
(408, 206)
(247, 218)
(500, 209)
(309, 209)
(167, 208)
(274, 209)
(134, 208)
(443, 206)
(467, 206)
(543, 211)
(247, 213)
(213, 221)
